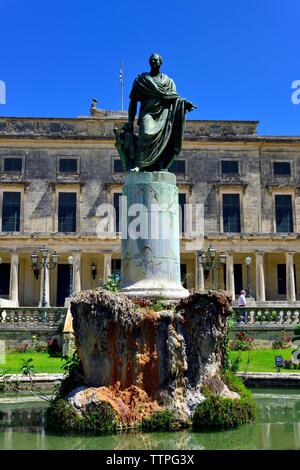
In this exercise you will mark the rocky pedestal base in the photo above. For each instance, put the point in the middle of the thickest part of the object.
(136, 357)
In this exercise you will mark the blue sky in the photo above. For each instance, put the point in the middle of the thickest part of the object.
(235, 59)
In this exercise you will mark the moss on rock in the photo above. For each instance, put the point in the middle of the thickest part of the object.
(162, 420)
(96, 419)
(217, 412)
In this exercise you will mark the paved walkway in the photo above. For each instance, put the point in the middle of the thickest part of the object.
(270, 379)
(256, 379)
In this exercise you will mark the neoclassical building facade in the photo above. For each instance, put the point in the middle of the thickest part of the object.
(56, 173)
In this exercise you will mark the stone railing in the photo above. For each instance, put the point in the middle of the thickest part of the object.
(267, 316)
(32, 318)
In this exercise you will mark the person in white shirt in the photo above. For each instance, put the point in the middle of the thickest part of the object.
(242, 303)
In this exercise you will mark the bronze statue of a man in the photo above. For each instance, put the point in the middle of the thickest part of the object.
(161, 121)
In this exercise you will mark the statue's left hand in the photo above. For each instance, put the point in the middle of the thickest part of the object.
(189, 106)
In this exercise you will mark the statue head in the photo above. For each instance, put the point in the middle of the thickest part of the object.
(155, 60)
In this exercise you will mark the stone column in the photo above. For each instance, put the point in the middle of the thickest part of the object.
(230, 287)
(106, 266)
(290, 278)
(77, 273)
(260, 277)
(199, 275)
(150, 256)
(47, 286)
(14, 279)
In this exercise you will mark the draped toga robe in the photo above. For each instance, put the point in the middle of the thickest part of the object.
(161, 121)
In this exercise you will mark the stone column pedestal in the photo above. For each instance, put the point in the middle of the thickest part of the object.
(150, 236)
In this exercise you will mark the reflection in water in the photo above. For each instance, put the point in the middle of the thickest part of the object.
(277, 427)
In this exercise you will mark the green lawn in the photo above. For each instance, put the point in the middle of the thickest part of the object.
(41, 360)
(262, 360)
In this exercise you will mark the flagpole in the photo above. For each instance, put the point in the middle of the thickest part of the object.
(122, 85)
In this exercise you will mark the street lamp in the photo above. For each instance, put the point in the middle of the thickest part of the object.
(248, 261)
(93, 270)
(44, 264)
(71, 262)
(208, 261)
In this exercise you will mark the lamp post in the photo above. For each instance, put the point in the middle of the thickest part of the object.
(93, 270)
(208, 261)
(248, 261)
(71, 262)
(44, 264)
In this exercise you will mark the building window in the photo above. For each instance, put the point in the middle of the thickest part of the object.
(67, 212)
(281, 168)
(231, 213)
(284, 213)
(68, 165)
(11, 212)
(182, 221)
(116, 266)
(117, 207)
(117, 165)
(178, 166)
(4, 279)
(229, 167)
(13, 164)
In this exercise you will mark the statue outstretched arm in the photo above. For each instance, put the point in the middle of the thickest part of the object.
(189, 106)
(131, 114)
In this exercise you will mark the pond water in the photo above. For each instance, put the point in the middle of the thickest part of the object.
(277, 426)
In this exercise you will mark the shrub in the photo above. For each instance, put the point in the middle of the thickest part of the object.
(216, 412)
(97, 418)
(284, 342)
(243, 342)
(27, 367)
(22, 347)
(53, 348)
(61, 417)
(235, 364)
(113, 283)
(163, 420)
(227, 344)
(157, 306)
